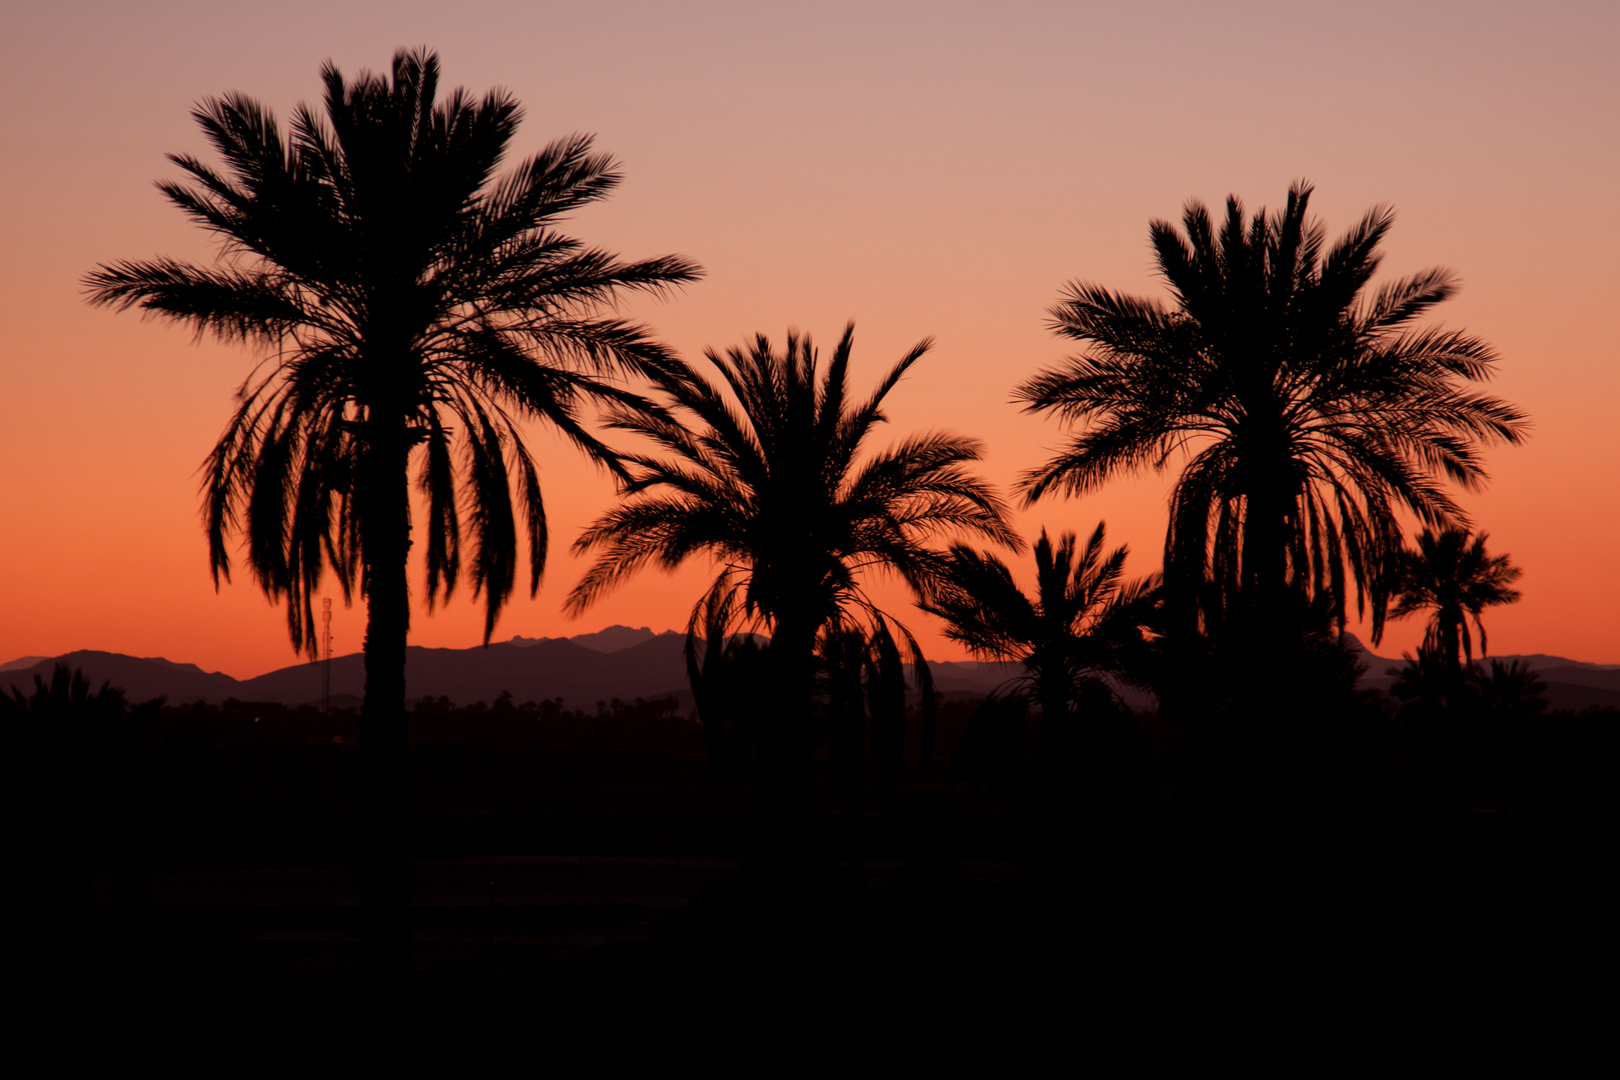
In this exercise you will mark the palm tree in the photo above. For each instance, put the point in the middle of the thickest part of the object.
(763, 471)
(1450, 574)
(76, 783)
(414, 308)
(1081, 625)
(866, 694)
(1310, 411)
(730, 682)
(1512, 692)
(1514, 698)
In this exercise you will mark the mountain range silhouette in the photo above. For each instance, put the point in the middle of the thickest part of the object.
(617, 662)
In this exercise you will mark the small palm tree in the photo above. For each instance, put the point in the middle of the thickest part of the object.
(1451, 575)
(730, 682)
(1311, 411)
(866, 703)
(1514, 698)
(67, 700)
(764, 471)
(414, 308)
(1512, 691)
(1080, 627)
(76, 782)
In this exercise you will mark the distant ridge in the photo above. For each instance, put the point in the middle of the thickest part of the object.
(613, 639)
(141, 679)
(1571, 684)
(617, 662)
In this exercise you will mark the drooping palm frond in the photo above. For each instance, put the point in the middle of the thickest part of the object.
(1083, 623)
(762, 469)
(413, 302)
(1307, 412)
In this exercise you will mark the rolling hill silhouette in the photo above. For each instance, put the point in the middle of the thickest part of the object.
(1571, 684)
(619, 662)
(141, 679)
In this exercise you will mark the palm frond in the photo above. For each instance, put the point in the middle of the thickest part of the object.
(407, 294)
(1273, 348)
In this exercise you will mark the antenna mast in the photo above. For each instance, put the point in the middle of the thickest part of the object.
(326, 647)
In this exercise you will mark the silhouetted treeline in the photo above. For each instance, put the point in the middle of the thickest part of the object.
(650, 726)
(74, 785)
(1476, 755)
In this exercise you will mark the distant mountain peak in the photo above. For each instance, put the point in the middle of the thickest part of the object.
(614, 638)
(590, 668)
(610, 640)
(178, 664)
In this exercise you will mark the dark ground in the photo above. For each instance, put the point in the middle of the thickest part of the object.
(559, 872)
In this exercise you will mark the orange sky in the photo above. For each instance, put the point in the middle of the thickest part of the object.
(925, 169)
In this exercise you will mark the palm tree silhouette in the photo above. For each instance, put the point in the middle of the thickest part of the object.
(763, 470)
(730, 683)
(1081, 625)
(77, 786)
(1451, 575)
(1512, 691)
(1514, 698)
(415, 308)
(1311, 411)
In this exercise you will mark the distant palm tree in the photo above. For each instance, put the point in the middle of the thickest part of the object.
(1514, 698)
(866, 703)
(1451, 575)
(1080, 630)
(76, 782)
(414, 309)
(1080, 627)
(1513, 691)
(764, 472)
(1311, 411)
(67, 699)
(730, 683)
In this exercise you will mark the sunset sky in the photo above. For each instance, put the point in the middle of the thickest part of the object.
(925, 169)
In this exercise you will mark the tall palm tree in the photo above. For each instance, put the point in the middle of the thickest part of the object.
(1080, 626)
(414, 309)
(1309, 411)
(763, 471)
(1451, 575)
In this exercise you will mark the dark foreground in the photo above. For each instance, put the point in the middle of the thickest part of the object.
(559, 873)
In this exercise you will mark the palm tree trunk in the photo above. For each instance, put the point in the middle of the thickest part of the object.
(385, 928)
(793, 648)
(847, 713)
(1265, 565)
(1054, 770)
(1451, 646)
(1270, 635)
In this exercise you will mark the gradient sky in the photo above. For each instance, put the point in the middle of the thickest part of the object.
(925, 169)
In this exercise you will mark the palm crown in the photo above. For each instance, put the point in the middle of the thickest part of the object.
(764, 471)
(1450, 574)
(1080, 624)
(416, 309)
(770, 481)
(1310, 412)
(408, 298)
